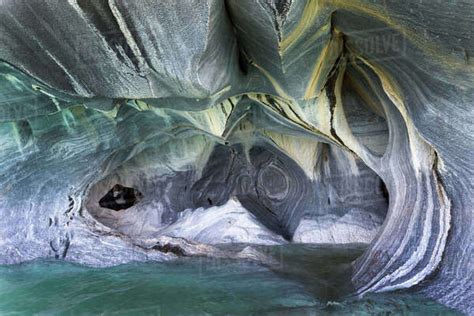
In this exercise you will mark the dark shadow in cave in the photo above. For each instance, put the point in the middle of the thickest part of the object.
(120, 198)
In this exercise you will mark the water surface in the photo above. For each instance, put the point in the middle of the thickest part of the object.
(305, 282)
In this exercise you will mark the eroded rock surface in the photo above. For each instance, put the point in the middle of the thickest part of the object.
(297, 121)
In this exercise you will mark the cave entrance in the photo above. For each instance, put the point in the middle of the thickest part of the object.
(351, 201)
(259, 197)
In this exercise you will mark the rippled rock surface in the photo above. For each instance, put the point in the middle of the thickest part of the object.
(262, 122)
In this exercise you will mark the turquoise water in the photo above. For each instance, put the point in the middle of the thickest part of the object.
(301, 284)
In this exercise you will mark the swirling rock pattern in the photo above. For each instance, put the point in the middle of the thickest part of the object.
(312, 115)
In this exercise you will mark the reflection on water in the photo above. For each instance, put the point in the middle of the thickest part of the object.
(308, 280)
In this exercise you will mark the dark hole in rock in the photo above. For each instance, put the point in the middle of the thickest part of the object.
(210, 201)
(167, 248)
(243, 63)
(383, 189)
(120, 198)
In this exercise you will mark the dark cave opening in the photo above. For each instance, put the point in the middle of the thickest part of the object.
(120, 198)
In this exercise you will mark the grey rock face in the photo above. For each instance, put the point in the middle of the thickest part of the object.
(295, 121)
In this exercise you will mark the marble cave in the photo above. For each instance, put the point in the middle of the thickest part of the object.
(261, 140)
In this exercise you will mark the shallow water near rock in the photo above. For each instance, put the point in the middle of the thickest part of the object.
(305, 281)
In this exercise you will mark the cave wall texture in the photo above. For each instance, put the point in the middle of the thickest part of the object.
(279, 117)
